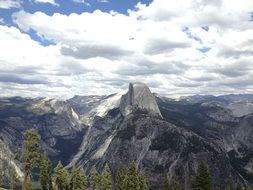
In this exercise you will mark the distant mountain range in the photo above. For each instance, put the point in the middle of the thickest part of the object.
(162, 135)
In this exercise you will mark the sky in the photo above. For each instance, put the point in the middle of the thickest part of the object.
(62, 48)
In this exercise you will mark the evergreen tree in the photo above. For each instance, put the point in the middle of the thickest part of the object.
(132, 179)
(46, 173)
(175, 185)
(143, 182)
(31, 155)
(227, 187)
(78, 180)
(106, 179)
(121, 178)
(83, 180)
(61, 177)
(239, 186)
(165, 183)
(1, 177)
(95, 179)
(202, 180)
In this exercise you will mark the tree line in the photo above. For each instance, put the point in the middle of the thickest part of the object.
(59, 178)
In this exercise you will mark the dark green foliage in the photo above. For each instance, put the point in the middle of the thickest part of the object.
(202, 180)
(127, 133)
(78, 180)
(121, 178)
(31, 155)
(1, 177)
(95, 179)
(60, 177)
(165, 183)
(46, 173)
(133, 180)
(175, 184)
(143, 182)
(106, 179)
(239, 186)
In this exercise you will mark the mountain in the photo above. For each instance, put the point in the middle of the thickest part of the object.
(58, 125)
(162, 135)
(7, 163)
(139, 97)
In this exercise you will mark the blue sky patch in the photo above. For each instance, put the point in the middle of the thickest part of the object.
(204, 49)
(206, 28)
(189, 34)
(43, 41)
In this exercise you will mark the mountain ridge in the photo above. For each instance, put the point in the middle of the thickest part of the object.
(141, 126)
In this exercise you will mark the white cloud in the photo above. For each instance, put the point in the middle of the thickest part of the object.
(1, 21)
(82, 1)
(103, 1)
(52, 2)
(158, 44)
(7, 4)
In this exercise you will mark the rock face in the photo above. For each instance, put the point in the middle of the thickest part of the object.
(161, 135)
(139, 97)
(7, 163)
(58, 125)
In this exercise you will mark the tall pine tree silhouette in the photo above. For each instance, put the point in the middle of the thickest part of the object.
(202, 180)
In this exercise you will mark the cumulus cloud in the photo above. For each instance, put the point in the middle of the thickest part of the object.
(7, 4)
(89, 51)
(12, 78)
(161, 44)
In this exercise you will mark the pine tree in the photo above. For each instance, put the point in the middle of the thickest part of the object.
(175, 185)
(202, 180)
(46, 173)
(132, 180)
(143, 182)
(1, 177)
(239, 186)
(61, 177)
(95, 179)
(78, 180)
(106, 179)
(165, 183)
(121, 178)
(31, 155)
(83, 180)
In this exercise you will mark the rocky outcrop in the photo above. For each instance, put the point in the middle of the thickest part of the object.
(158, 147)
(161, 135)
(58, 125)
(7, 164)
(139, 97)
